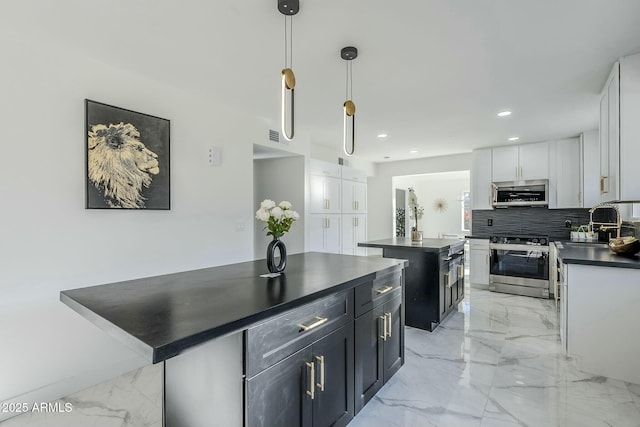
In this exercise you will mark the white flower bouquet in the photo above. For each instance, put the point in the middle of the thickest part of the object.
(277, 217)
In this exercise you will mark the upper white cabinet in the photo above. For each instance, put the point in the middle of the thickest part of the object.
(629, 134)
(354, 197)
(325, 188)
(565, 174)
(590, 168)
(610, 137)
(520, 162)
(481, 190)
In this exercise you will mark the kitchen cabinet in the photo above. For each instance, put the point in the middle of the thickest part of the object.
(479, 261)
(325, 194)
(520, 162)
(379, 335)
(324, 233)
(354, 197)
(590, 144)
(481, 190)
(313, 387)
(620, 132)
(451, 283)
(354, 230)
(565, 174)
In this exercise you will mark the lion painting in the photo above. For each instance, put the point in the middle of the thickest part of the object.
(119, 164)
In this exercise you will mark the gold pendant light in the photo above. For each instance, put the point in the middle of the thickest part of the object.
(349, 53)
(287, 78)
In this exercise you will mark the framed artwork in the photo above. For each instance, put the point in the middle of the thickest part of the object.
(127, 158)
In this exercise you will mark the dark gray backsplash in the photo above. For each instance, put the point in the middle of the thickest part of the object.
(531, 220)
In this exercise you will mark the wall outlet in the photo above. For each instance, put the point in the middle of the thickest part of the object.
(490, 222)
(567, 223)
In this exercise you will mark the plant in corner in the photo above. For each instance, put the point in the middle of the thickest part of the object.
(278, 219)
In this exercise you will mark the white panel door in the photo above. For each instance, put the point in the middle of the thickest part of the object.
(354, 231)
(534, 161)
(324, 194)
(614, 138)
(567, 177)
(505, 164)
(333, 189)
(481, 190)
(354, 197)
(317, 224)
(479, 266)
(332, 233)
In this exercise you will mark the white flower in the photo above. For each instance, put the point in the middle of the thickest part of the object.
(291, 214)
(276, 212)
(285, 205)
(267, 204)
(262, 215)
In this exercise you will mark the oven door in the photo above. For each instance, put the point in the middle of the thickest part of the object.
(516, 268)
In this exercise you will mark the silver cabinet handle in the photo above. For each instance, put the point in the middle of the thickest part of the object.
(319, 321)
(320, 360)
(388, 324)
(312, 375)
(384, 327)
(461, 271)
(384, 290)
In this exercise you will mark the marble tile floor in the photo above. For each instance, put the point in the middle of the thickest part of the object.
(497, 362)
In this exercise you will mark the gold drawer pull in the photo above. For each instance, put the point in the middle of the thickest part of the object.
(318, 322)
(384, 290)
(461, 271)
(312, 392)
(321, 383)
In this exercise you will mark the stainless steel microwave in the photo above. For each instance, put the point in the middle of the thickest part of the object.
(525, 193)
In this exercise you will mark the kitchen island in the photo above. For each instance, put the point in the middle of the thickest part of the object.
(434, 278)
(237, 347)
(599, 296)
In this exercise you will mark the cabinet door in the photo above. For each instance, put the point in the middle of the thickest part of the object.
(277, 396)
(614, 137)
(479, 268)
(604, 146)
(393, 351)
(567, 176)
(481, 190)
(504, 162)
(333, 189)
(332, 234)
(360, 235)
(590, 169)
(324, 233)
(368, 356)
(353, 230)
(354, 197)
(333, 358)
(324, 194)
(534, 161)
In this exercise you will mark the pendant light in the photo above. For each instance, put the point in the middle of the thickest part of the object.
(287, 79)
(349, 53)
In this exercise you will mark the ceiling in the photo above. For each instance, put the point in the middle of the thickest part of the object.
(431, 74)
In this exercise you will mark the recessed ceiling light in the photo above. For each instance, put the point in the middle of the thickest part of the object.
(382, 135)
(413, 151)
(504, 113)
(514, 138)
(387, 157)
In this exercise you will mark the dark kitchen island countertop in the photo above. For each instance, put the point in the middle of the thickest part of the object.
(427, 245)
(597, 254)
(163, 315)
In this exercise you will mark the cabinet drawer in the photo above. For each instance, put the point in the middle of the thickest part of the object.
(282, 336)
(318, 167)
(379, 291)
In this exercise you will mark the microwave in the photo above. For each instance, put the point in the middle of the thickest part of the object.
(525, 193)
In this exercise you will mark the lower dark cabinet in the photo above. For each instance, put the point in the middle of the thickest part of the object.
(311, 388)
(379, 348)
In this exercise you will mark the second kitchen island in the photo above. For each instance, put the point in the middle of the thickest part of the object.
(434, 279)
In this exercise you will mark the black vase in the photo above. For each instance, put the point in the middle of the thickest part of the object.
(276, 243)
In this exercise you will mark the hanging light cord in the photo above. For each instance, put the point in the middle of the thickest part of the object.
(349, 89)
(288, 42)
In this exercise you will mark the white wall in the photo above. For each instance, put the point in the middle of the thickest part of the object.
(49, 242)
(380, 191)
(447, 186)
(280, 179)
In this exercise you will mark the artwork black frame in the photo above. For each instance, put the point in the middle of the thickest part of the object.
(127, 159)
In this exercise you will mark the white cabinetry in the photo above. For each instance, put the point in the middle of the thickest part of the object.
(610, 137)
(324, 233)
(590, 168)
(565, 174)
(354, 230)
(629, 134)
(481, 190)
(521, 162)
(479, 261)
(338, 205)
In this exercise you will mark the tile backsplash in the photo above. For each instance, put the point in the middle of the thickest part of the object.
(533, 220)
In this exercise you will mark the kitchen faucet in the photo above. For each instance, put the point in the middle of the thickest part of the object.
(605, 225)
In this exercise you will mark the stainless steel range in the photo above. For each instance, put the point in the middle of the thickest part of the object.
(519, 265)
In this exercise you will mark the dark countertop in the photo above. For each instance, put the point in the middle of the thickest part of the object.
(164, 315)
(427, 245)
(594, 253)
